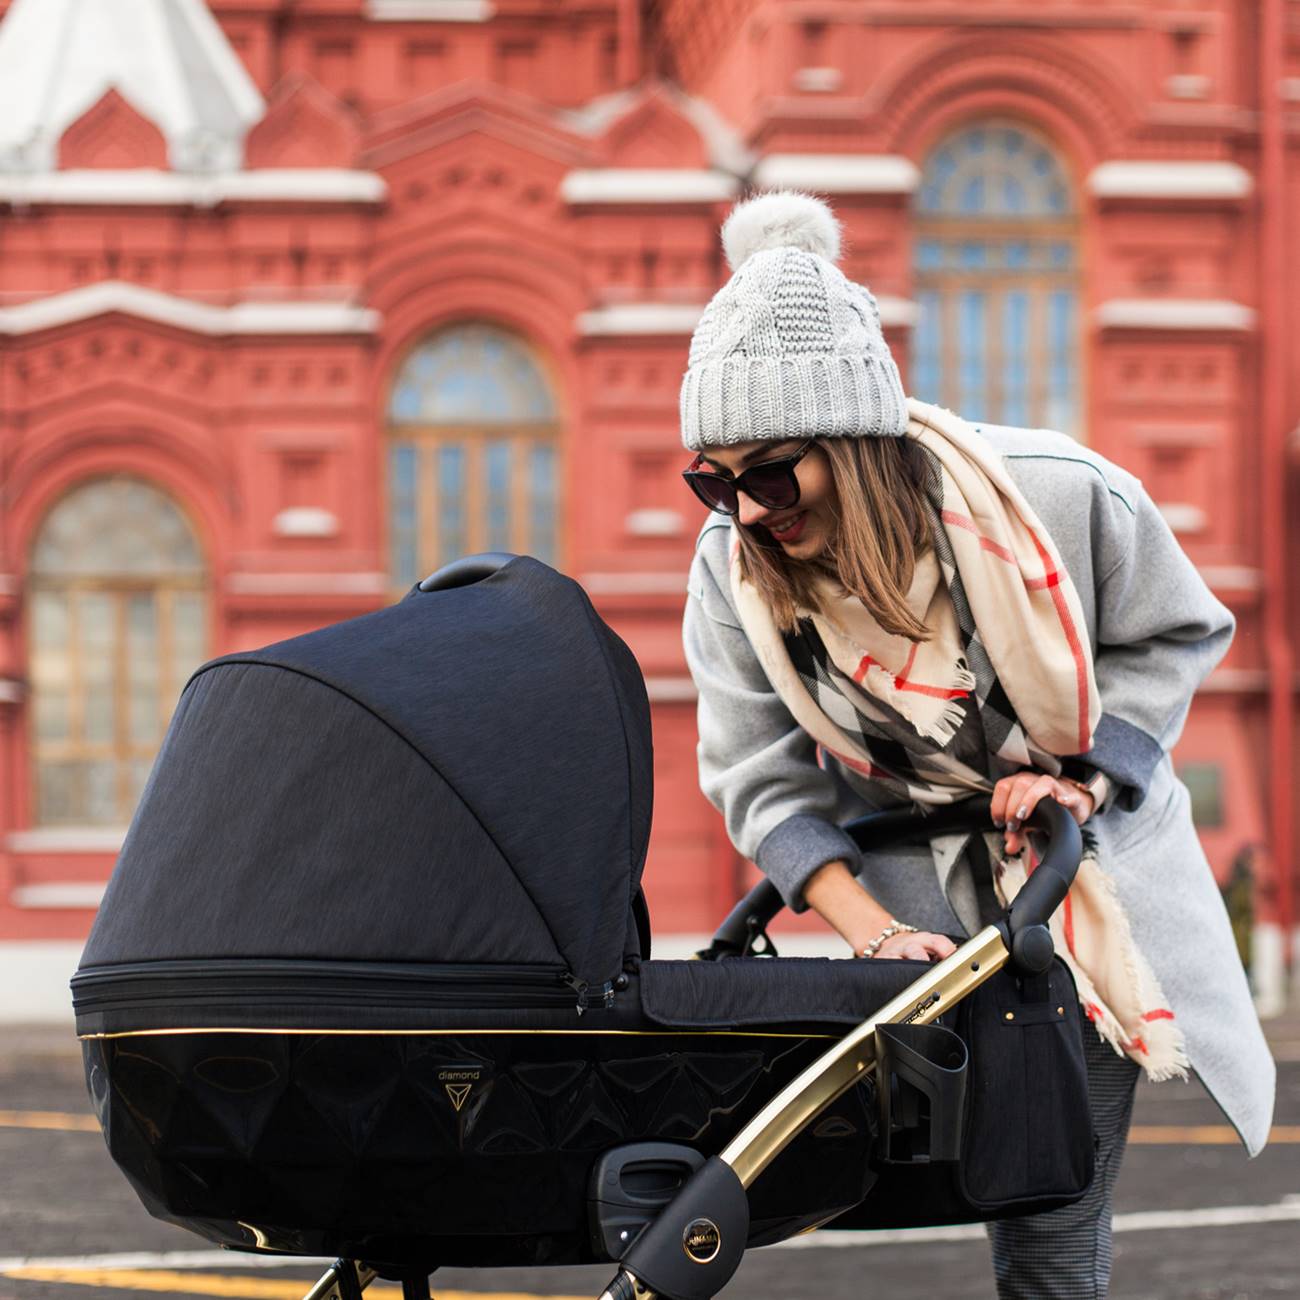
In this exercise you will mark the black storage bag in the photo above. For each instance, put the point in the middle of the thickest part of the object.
(1027, 1142)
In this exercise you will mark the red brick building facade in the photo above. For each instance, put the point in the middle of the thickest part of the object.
(306, 297)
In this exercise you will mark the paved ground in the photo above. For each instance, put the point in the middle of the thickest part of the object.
(1197, 1221)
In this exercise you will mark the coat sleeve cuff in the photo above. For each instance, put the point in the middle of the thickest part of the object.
(796, 849)
(1126, 754)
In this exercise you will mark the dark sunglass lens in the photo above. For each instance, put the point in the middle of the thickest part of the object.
(716, 492)
(774, 486)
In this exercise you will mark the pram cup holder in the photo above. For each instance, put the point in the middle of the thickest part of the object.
(921, 1093)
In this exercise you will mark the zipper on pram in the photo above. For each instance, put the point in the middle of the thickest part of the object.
(335, 985)
(605, 994)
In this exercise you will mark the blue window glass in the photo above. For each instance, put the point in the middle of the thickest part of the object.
(1060, 329)
(972, 197)
(929, 254)
(1015, 353)
(971, 341)
(496, 463)
(472, 374)
(541, 503)
(1007, 350)
(403, 541)
(450, 495)
(471, 464)
(926, 380)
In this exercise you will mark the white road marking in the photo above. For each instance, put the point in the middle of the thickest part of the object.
(1286, 1210)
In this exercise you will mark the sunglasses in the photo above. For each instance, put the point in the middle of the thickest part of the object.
(771, 483)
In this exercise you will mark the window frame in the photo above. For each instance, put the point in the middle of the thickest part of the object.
(121, 751)
(949, 285)
(426, 439)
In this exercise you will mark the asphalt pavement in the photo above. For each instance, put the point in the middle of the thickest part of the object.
(1195, 1219)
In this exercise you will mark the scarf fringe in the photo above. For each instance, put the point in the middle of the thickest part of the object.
(944, 718)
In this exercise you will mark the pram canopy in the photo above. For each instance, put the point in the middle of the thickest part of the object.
(463, 777)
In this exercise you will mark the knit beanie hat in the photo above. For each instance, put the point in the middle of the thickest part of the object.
(788, 347)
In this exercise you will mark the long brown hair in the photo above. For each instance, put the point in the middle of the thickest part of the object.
(881, 526)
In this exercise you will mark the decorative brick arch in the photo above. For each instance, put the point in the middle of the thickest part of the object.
(139, 448)
(1042, 83)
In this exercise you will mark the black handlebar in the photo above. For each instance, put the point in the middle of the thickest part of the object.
(744, 932)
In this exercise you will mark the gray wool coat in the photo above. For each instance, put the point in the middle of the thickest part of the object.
(1156, 631)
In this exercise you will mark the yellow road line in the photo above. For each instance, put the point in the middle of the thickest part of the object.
(48, 1119)
(1203, 1135)
(1139, 1134)
(238, 1288)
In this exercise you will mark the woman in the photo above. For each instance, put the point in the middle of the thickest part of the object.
(890, 606)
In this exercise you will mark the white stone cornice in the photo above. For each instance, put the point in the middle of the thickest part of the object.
(830, 173)
(147, 186)
(184, 313)
(62, 895)
(648, 185)
(671, 690)
(897, 313)
(67, 839)
(439, 11)
(1232, 577)
(1174, 314)
(1170, 180)
(635, 582)
(305, 521)
(641, 318)
(307, 584)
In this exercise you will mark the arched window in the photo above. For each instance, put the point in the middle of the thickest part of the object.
(996, 272)
(117, 621)
(472, 457)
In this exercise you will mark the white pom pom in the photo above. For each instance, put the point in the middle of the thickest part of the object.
(782, 219)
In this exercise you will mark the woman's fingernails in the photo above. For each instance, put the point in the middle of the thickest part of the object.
(1013, 824)
(1022, 812)
(999, 824)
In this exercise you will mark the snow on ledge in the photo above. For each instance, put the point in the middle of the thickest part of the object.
(140, 186)
(184, 313)
(648, 185)
(1174, 314)
(830, 173)
(1170, 180)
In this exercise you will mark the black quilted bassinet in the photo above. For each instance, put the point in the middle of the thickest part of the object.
(371, 978)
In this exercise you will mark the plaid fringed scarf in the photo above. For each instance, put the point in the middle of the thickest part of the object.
(1008, 638)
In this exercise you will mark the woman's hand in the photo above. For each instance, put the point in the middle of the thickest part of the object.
(1015, 797)
(921, 946)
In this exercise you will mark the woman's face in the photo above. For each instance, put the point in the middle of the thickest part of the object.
(804, 530)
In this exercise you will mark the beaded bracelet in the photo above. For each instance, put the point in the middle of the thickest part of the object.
(893, 928)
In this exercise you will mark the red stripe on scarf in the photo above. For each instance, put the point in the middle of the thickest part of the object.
(938, 692)
(988, 544)
(1160, 1013)
(1068, 925)
(1052, 579)
(863, 769)
(902, 684)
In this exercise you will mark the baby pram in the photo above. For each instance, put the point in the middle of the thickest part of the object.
(372, 980)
